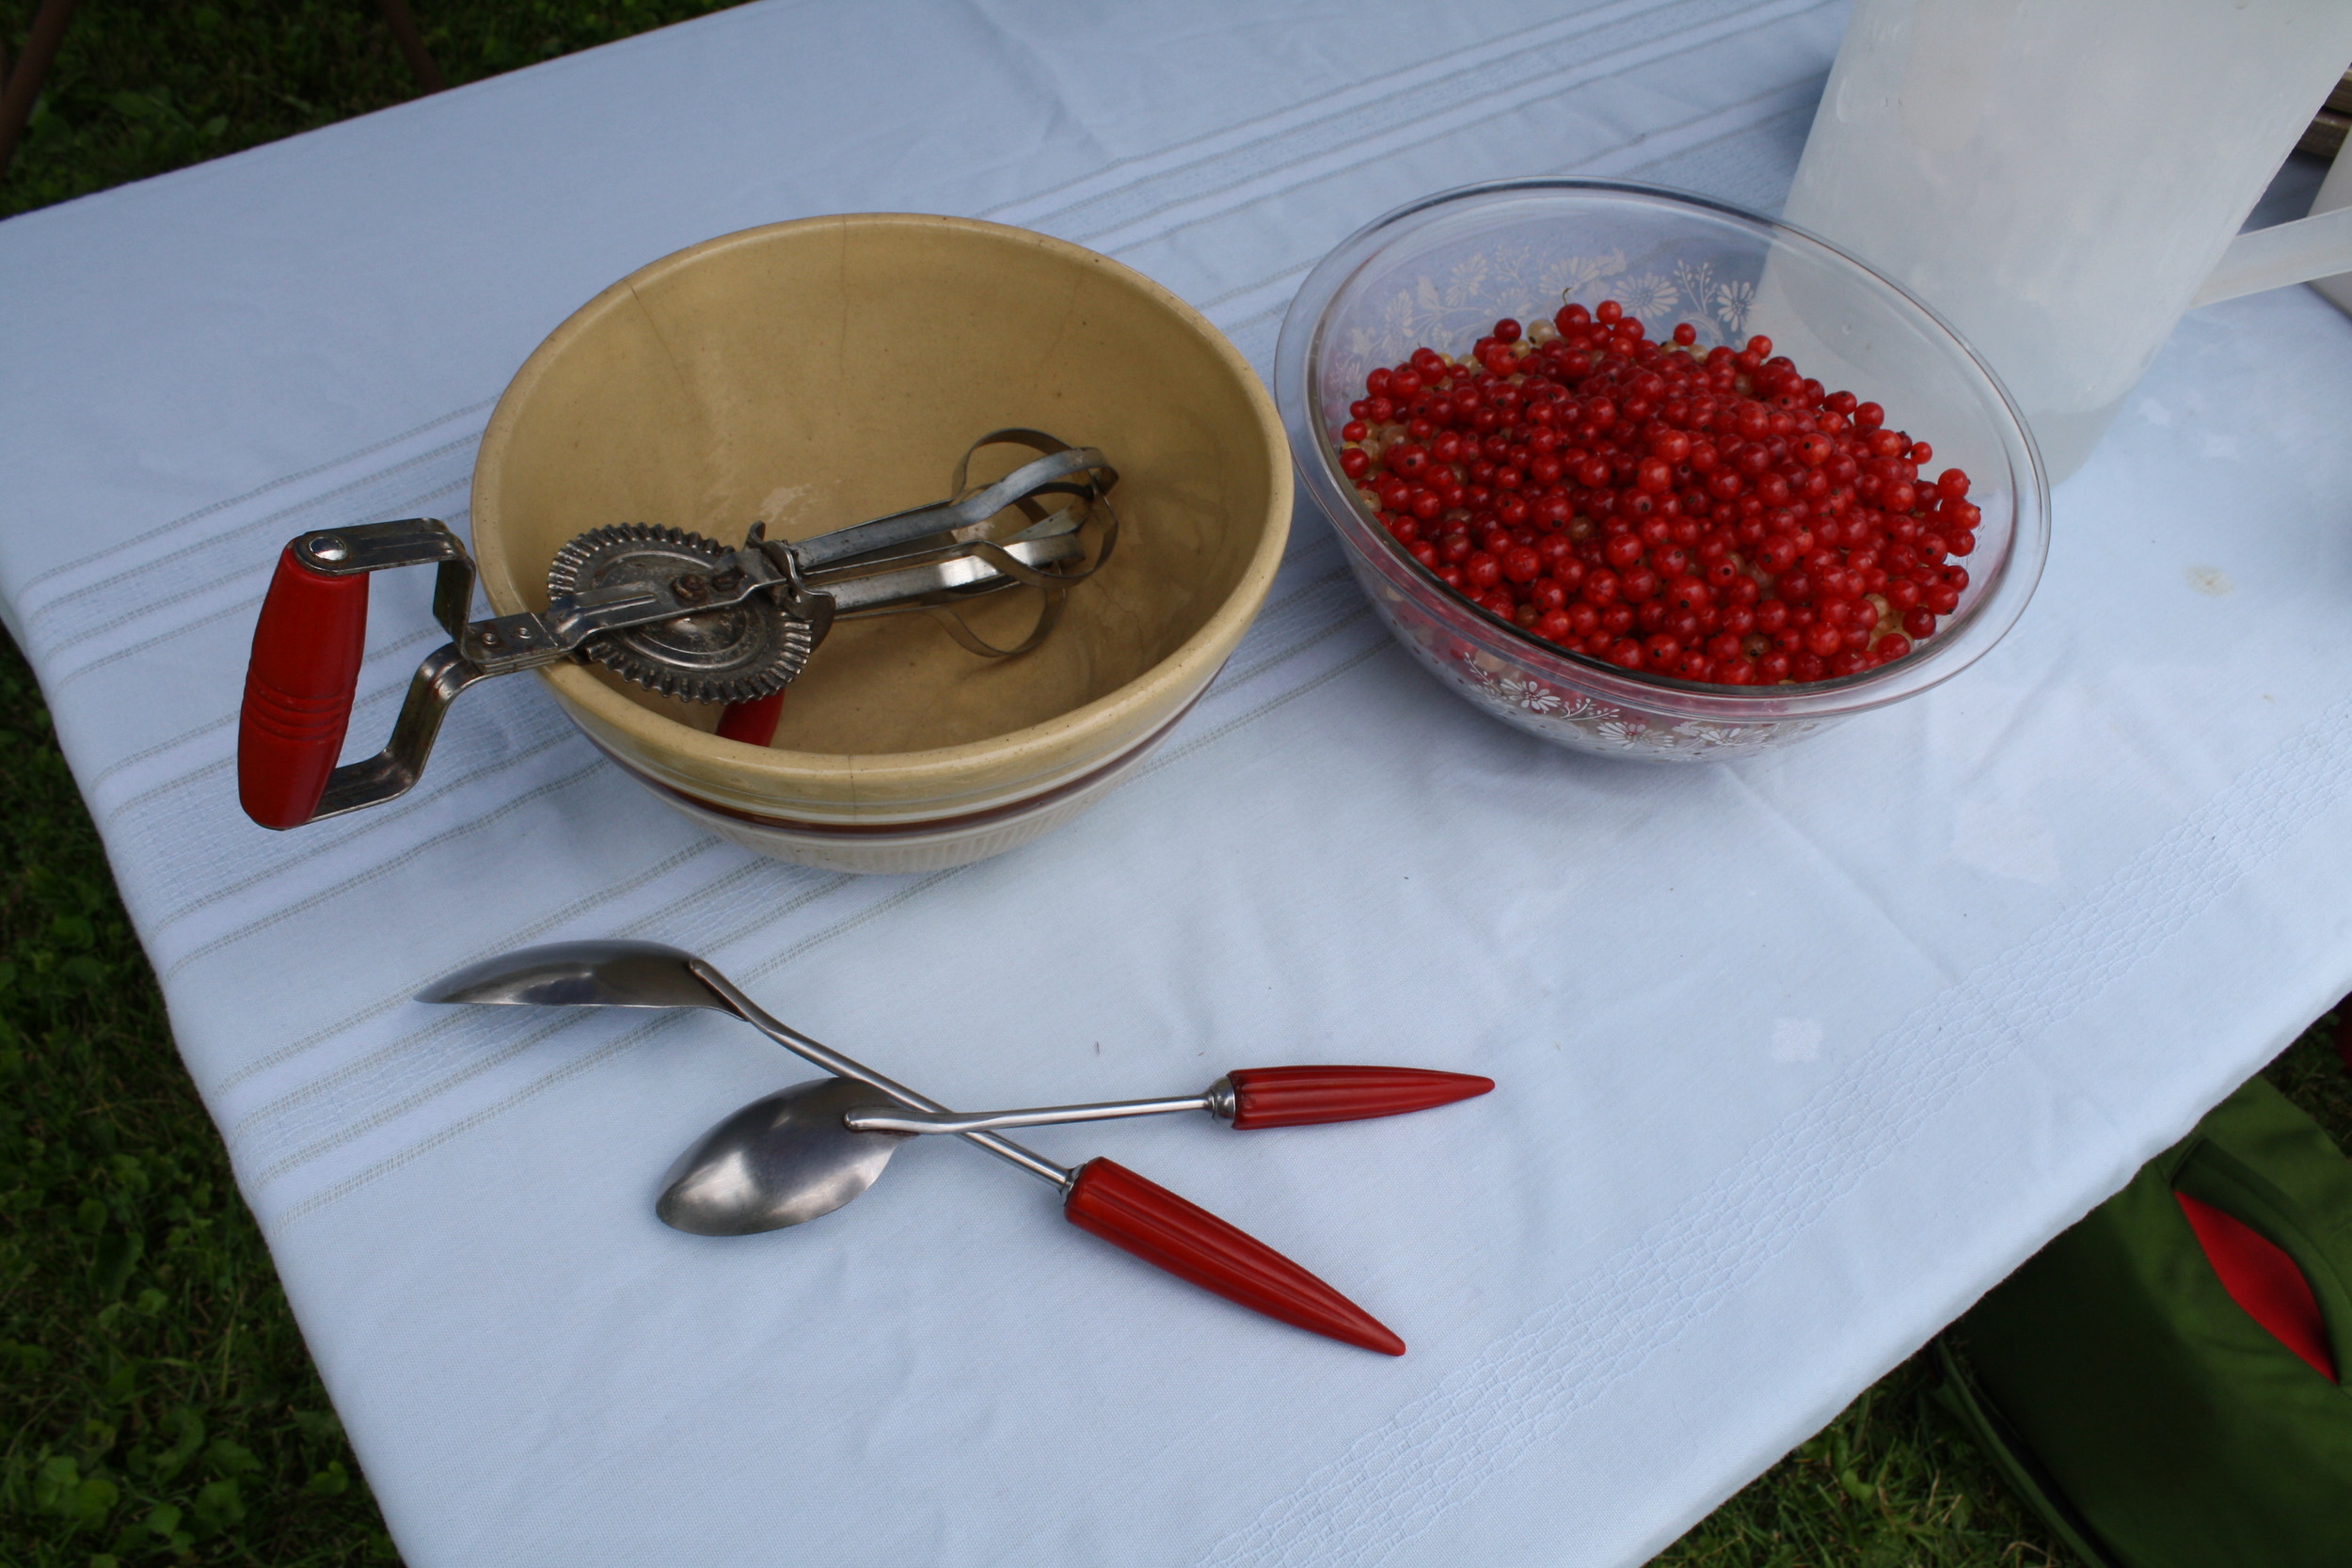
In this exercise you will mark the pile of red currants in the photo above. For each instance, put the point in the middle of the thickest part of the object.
(1712, 516)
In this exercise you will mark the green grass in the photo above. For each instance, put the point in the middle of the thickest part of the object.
(156, 1404)
(155, 1397)
(1890, 1481)
(143, 88)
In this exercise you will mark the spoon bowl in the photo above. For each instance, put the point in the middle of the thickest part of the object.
(582, 975)
(780, 1160)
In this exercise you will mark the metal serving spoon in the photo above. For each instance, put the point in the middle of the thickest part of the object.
(789, 1157)
(1102, 1196)
(1249, 1098)
(648, 974)
(807, 1151)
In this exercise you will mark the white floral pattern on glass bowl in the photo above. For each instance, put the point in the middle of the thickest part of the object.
(1442, 271)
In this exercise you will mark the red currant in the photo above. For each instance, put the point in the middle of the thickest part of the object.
(1714, 518)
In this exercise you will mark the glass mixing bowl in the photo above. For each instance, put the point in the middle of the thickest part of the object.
(1442, 270)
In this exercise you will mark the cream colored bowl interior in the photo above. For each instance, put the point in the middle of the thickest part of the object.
(812, 374)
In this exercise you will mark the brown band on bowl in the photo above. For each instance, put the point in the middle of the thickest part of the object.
(924, 826)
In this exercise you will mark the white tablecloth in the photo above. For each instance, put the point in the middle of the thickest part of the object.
(1797, 1056)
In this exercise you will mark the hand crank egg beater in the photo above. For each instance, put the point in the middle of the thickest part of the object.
(671, 611)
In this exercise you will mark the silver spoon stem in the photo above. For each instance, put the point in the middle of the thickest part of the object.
(840, 1066)
(868, 1120)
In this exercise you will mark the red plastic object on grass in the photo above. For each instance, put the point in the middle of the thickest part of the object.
(297, 690)
(1170, 1233)
(2262, 1278)
(1299, 1096)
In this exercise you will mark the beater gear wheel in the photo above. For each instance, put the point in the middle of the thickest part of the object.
(737, 653)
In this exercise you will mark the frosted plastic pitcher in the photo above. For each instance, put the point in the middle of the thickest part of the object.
(2061, 179)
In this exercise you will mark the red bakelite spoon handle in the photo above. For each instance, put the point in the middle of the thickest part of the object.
(1297, 1096)
(1188, 1241)
(298, 687)
(754, 723)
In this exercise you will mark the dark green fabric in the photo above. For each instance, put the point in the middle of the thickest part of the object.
(1959, 1394)
(2161, 1426)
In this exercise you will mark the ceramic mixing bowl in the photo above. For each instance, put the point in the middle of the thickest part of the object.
(809, 374)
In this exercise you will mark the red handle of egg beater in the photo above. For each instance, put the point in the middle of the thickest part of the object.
(298, 688)
(754, 723)
(1299, 1096)
(1170, 1233)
